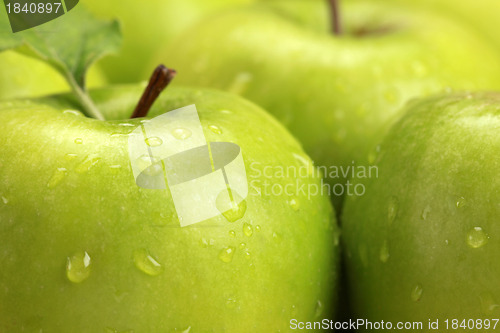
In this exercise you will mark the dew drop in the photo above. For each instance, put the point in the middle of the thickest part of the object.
(5, 200)
(151, 165)
(416, 293)
(87, 164)
(488, 304)
(231, 303)
(78, 141)
(226, 254)
(232, 233)
(154, 141)
(425, 212)
(318, 311)
(115, 168)
(294, 203)
(384, 252)
(247, 229)
(392, 209)
(181, 133)
(460, 202)
(72, 113)
(78, 267)
(242, 245)
(231, 205)
(70, 157)
(126, 125)
(57, 177)
(146, 263)
(277, 237)
(257, 228)
(477, 237)
(215, 129)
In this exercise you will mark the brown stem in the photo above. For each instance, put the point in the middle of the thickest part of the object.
(335, 14)
(160, 79)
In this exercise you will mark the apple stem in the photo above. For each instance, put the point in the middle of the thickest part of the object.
(88, 105)
(335, 14)
(160, 79)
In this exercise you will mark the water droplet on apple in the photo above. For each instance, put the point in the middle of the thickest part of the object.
(247, 229)
(231, 205)
(384, 252)
(477, 238)
(425, 212)
(294, 203)
(257, 228)
(215, 129)
(460, 202)
(203, 243)
(87, 164)
(181, 133)
(118, 135)
(392, 209)
(5, 200)
(146, 263)
(488, 304)
(318, 310)
(126, 125)
(73, 113)
(226, 254)
(57, 177)
(231, 303)
(242, 245)
(416, 293)
(151, 165)
(232, 233)
(78, 267)
(226, 112)
(277, 237)
(154, 141)
(70, 157)
(115, 168)
(79, 141)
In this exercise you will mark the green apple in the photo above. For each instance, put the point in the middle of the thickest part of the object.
(148, 26)
(84, 249)
(422, 242)
(483, 15)
(24, 76)
(337, 94)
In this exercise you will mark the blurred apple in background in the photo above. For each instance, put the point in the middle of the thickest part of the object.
(336, 93)
(148, 26)
(24, 76)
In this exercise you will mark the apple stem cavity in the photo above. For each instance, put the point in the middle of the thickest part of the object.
(89, 108)
(161, 78)
(335, 14)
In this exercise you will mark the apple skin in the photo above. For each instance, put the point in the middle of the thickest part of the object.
(24, 76)
(482, 14)
(147, 27)
(411, 247)
(338, 96)
(287, 269)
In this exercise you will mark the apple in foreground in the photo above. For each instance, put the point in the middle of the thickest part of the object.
(336, 93)
(84, 249)
(422, 242)
(147, 27)
(24, 76)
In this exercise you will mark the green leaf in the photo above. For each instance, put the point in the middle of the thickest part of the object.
(8, 40)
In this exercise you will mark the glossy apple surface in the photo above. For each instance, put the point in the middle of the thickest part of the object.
(422, 243)
(84, 249)
(337, 95)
